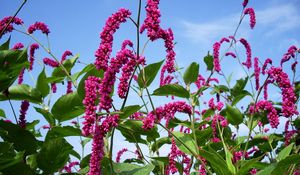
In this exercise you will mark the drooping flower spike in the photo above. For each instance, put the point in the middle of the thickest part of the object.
(7, 28)
(50, 62)
(18, 46)
(38, 26)
(248, 62)
(251, 13)
(33, 47)
(23, 111)
(65, 54)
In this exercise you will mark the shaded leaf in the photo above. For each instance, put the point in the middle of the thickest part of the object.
(22, 92)
(172, 89)
(191, 73)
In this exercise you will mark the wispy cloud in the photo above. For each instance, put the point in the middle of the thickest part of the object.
(272, 20)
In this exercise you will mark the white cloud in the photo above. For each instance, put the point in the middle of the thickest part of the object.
(273, 20)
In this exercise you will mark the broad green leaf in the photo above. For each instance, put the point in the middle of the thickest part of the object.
(285, 152)
(229, 163)
(242, 94)
(191, 73)
(209, 62)
(2, 113)
(203, 136)
(18, 168)
(11, 64)
(42, 84)
(22, 139)
(85, 161)
(68, 65)
(68, 107)
(247, 165)
(64, 131)
(47, 115)
(87, 68)
(148, 74)
(22, 92)
(5, 45)
(285, 164)
(131, 169)
(159, 143)
(267, 170)
(129, 110)
(239, 86)
(234, 116)
(7, 159)
(172, 89)
(188, 141)
(53, 155)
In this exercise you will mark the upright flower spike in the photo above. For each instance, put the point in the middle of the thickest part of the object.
(288, 95)
(4, 22)
(248, 62)
(251, 13)
(92, 85)
(217, 65)
(272, 113)
(69, 87)
(112, 24)
(18, 46)
(256, 73)
(33, 47)
(65, 54)
(38, 26)
(21, 76)
(23, 111)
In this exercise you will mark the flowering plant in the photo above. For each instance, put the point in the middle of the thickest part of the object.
(199, 125)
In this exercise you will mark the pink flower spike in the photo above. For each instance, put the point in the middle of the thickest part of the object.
(50, 62)
(9, 28)
(69, 87)
(18, 46)
(53, 87)
(230, 54)
(38, 26)
(248, 62)
(33, 47)
(217, 65)
(21, 76)
(224, 40)
(256, 73)
(65, 54)
(251, 13)
(245, 3)
(267, 61)
(23, 111)
(120, 153)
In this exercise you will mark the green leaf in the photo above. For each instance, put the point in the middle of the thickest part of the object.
(68, 64)
(209, 62)
(172, 89)
(68, 107)
(87, 68)
(285, 152)
(229, 163)
(64, 131)
(267, 170)
(22, 139)
(53, 155)
(2, 113)
(148, 74)
(22, 92)
(247, 165)
(188, 141)
(239, 86)
(129, 110)
(131, 169)
(92, 72)
(42, 84)
(11, 64)
(19, 168)
(242, 94)
(8, 160)
(159, 143)
(191, 73)
(85, 161)
(47, 115)
(203, 136)
(5, 45)
(234, 116)
(285, 164)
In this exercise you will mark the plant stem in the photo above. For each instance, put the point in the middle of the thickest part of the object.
(12, 108)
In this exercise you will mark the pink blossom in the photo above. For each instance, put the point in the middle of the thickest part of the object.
(253, 171)
(126, 43)
(120, 153)
(230, 54)
(245, 3)
(256, 73)
(105, 48)
(17, 46)
(237, 156)
(224, 40)
(38, 26)
(23, 111)
(200, 81)
(217, 65)
(267, 61)
(69, 87)
(172, 157)
(21, 76)
(33, 47)
(289, 54)
(9, 28)
(272, 113)
(251, 13)
(65, 54)
(288, 94)
(46, 127)
(293, 67)
(53, 87)
(248, 62)
(50, 62)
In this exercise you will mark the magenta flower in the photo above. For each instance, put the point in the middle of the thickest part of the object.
(38, 26)
(120, 153)
(224, 40)
(112, 24)
(69, 87)
(172, 157)
(245, 3)
(126, 43)
(17, 46)
(200, 81)
(267, 61)
(290, 54)
(9, 28)
(217, 65)
(256, 73)
(46, 127)
(53, 87)
(293, 67)
(65, 54)
(23, 111)
(230, 54)
(288, 94)
(272, 113)
(33, 47)
(50, 62)
(248, 62)
(21, 76)
(251, 13)
(92, 85)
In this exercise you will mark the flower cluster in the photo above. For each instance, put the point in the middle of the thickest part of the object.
(53, 87)
(6, 24)
(248, 62)
(256, 72)
(217, 65)
(33, 47)
(92, 85)
(267, 61)
(50, 62)
(230, 54)
(68, 168)
(23, 110)
(288, 94)
(272, 113)
(251, 13)
(288, 133)
(112, 24)
(21, 76)
(38, 26)
(289, 54)
(65, 54)
(120, 153)
(69, 87)
(214, 124)
(167, 112)
(18, 46)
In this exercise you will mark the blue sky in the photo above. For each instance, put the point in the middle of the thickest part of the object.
(75, 26)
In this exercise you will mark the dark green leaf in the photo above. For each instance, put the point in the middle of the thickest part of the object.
(191, 73)
(129, 110)
(234, 116)
(247, 165)
(22, 92)
(285, 164)
(131, 169)
(5, 45)
(209, 62)
(160, 142)
(242, 94)
(68, 64)
(8, 160)
(239, 86)
(285, 152)
(85, 161)
(172, 89)
(267, 170)
(148, 74)
(64, 131)
(20, 168)
(53, 155)
(68, 107)
(2, 113)
(188, 140)
(42, 84)
(47, 115)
